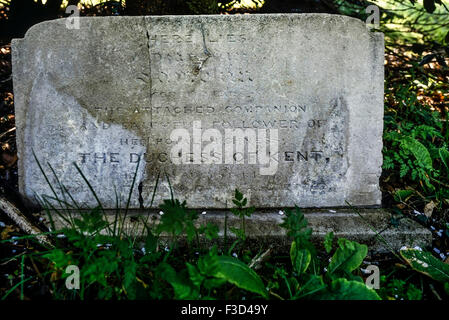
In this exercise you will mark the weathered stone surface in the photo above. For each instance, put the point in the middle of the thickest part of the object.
(369, 226)
(116, 88)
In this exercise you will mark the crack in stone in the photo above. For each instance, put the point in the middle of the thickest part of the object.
(205, 50)
(150, 78)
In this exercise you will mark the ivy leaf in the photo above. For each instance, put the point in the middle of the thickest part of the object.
(426, 263)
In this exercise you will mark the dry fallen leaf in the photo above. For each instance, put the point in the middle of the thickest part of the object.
(428, 209)
(5, 233)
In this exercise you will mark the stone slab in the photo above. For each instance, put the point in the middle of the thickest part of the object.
(369, 226)
(307, 87)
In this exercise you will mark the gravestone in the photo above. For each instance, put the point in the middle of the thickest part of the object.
(288, 108)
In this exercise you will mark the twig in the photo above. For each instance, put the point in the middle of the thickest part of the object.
(6, 80)
(6, 132)
(435, 292)
(257, 261)
(22, 221)
(274, 294)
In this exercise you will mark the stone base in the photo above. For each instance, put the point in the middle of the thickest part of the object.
(369, 226)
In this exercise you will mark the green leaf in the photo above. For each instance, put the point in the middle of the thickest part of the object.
(444, 155)
(182, 287)
(238, 195)
(426, 263)
(296, 225)
(236, 203)
(58, 257)
(150, 242)
(328, 241)
(348, 257)
(300, 258)
(402, 195)
(342, 289)
(210, 231)
(194, 274)
(313, 286)
(418, 150)
(129, 280)
(208, 264)
(239, 274)
(212, 283)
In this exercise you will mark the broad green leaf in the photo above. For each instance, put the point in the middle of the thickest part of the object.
(239, 274)
(348, 257)
(300, 258)
(427, 264)
(418, 150)
(328, 241)
(212, 283)
(313, 286)
(342, 289)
